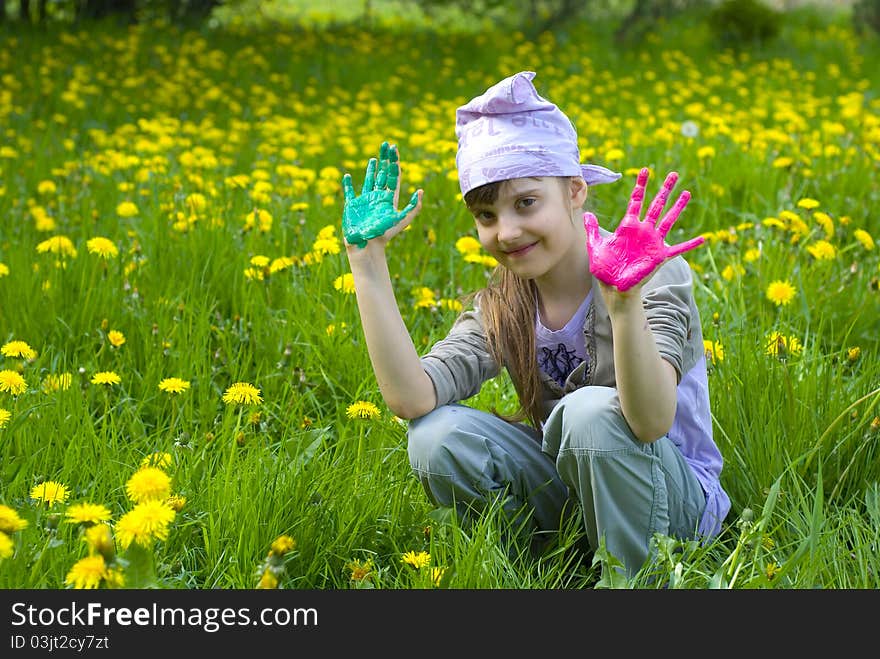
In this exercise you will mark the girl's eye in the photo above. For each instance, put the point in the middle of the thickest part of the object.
(483, 217)
(526, 202)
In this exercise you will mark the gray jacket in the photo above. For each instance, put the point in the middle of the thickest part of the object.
(460, 363)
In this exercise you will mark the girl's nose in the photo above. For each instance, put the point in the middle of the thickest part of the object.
(508, 230)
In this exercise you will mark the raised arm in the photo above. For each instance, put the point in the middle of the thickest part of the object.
(621, 264)
(369, 222)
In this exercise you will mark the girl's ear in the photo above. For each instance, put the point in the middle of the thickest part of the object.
(578, 191)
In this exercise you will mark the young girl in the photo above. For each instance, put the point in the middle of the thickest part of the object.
(598, 331)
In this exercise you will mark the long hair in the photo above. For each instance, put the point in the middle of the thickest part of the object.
(508, 305)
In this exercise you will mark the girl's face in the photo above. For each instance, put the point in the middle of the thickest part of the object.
(530, 229)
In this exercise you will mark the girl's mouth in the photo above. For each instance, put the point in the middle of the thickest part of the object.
(522, 251)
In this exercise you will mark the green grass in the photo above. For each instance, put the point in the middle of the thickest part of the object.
(154, 116)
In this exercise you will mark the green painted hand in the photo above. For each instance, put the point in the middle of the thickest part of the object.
(374, 211)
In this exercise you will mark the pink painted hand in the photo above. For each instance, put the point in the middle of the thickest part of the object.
(637, 248)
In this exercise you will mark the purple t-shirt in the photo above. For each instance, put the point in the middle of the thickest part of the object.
(561, 351)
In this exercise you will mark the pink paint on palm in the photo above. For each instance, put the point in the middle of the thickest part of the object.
(637, 248)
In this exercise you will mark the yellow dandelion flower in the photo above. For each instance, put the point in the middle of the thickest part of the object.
(148, 484)
(362, 410)
(822, 250)
(751, 255)
(416, 560)
(116, 338)
(437, 574)
(614, 154)
(782, 162)
(12, 382)
(344, 283)
(326, 246)
(103, 247)
(50, 492)
(268, 580)
(714, 351)
(243, 393)
(5, 415)
(424, 298)
(824, 220)
(865, 238)
(87, 513)
(468, 245)
(254, 274)
(280, 263)
(772, 569)
(46, 187)
(127, 209)
(99, 539)
(259, 261)
(853, 353)
(282, 545)
(706, 152)
(173, 385)
(807, 203)
(733, 271)
(87, 573)
(61, 245)
(177, 502)
(7, 548)
(360, 571)
(18, 349)
(105, 377)
(56, 382)
(780, 292)
(10, 522)
(779, 345)
(451, 305)
(4, 270)
(145, 523)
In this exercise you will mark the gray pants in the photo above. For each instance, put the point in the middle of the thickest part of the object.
(627, 490)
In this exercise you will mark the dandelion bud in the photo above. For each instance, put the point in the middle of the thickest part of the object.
(100, 541)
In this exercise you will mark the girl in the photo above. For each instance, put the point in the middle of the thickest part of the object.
(599, 332)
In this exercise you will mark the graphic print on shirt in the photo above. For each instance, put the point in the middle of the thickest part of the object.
(558, 362)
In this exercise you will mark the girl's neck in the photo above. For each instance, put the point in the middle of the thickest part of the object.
(569, 281)
(561, 291)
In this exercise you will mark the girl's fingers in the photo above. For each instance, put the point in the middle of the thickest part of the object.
(347, 188)
(370, 177)
(686, 246)
(670, 217)
(638, 193)
(659, 201)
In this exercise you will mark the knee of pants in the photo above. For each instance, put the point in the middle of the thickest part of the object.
(590, 419)
(433, 436)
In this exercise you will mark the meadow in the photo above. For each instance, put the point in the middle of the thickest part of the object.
(186, 401)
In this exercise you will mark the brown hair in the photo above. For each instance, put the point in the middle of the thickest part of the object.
(508, 306)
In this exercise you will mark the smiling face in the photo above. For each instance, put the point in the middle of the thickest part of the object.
(531, 227)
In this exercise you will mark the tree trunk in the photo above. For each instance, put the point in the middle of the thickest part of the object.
(95, 10)
(24, 10)
(196, 11)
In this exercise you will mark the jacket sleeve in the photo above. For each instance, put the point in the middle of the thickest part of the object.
(460, 363)
(669, 307)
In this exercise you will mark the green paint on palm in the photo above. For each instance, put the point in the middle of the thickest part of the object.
(372, 213)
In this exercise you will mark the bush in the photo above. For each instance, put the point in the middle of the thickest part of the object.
(744, 22)
(866, 12)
